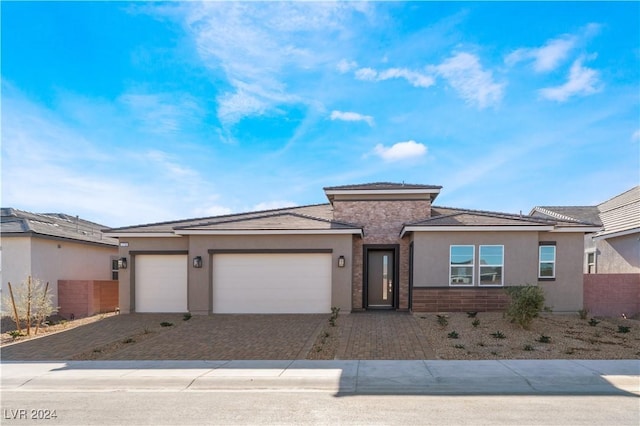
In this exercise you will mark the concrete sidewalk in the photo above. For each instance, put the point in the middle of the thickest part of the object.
(495, 377)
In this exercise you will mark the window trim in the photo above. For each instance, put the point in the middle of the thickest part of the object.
(481, 265)
(595, 262)
(542, 244)
(472, 265)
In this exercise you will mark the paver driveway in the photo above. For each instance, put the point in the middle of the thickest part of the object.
(381, 335)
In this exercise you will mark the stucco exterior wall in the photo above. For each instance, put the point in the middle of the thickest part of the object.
(199, 279)
(51, 260)
(565, 293)
(16, 264)
(620, 255)
(382, 221)
(431, 256)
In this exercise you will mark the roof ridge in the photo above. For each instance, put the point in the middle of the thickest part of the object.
(620, 195)
(516, 216)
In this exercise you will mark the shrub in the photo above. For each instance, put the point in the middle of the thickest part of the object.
(593, 322)
(472, 314)
(528, 348)
(166, 324)
(442, 320)
(526, 303)
(128, 340)
(15, 334)
(544, 339)
(623, 329)
(458, 346)
(29, 303)
(499, 335)
(583, 313)
(186, 317)
(476, 322)
(453, 335)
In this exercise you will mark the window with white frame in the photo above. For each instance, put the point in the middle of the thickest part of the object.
(547, 261)
(591, 262)
(491, 259)
(461, 265)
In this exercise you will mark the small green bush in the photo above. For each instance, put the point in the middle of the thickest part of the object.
(623, 329)
(442, 320)
(453, 335)
(15, 334)
(499, 335)
(166, 324)
(458, 346)
(593, 322)
(476, 322)
(186, 317)
(526, 303)
(528, 348)
(472, 314)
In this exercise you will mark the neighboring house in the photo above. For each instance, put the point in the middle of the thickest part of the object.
(52, 247)
(373, 246)
(615, 248)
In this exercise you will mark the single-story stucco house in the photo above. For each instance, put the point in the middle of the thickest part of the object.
(73, 255)
(372, 246)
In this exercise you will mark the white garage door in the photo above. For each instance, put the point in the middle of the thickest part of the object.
(272, 283)
(161, 283)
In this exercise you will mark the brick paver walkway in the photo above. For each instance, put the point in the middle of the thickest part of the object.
(202, 337)
(382, 335)
(367, 335)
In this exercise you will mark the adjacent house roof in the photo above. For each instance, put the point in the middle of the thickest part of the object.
(16, 222)
(383, 186)
(617, 216)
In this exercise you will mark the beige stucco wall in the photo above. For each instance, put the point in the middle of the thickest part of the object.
(16, 264)
(620, 255)
(51, 260)
(431, 255)
(199, 280)
(564, 294)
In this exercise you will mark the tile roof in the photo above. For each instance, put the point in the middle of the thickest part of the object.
(447, 216)
(18, 222)
(618, 214)
(382, 186)
(315, 216)
(621, 213)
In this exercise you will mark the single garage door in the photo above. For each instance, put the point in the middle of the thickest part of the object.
(272, 283)
(161, 283)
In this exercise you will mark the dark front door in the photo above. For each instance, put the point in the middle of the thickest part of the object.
(380, 278)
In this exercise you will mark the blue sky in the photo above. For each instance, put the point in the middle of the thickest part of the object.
(129, 113)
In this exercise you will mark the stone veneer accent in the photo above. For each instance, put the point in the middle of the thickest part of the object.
(382, 221)
(427, 299)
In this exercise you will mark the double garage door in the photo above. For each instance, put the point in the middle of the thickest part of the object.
(241, 283)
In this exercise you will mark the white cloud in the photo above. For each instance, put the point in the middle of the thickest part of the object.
(351, 116)
(275, 204)
(401, 151)
(475, 85)
(213, 210)
(256, 45)
(582, 81)
(161, 112)
(416, 79)
(345, 66)
(545, 58)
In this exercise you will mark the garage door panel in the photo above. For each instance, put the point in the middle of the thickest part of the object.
(161, 283)
(272, 283)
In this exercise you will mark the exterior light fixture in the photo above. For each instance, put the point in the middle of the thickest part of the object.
(122, 263)
(197, 262)
(341, 262)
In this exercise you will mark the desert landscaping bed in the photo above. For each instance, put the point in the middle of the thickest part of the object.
(551, 336)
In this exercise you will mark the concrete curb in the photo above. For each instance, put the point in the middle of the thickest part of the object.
(494, 377)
